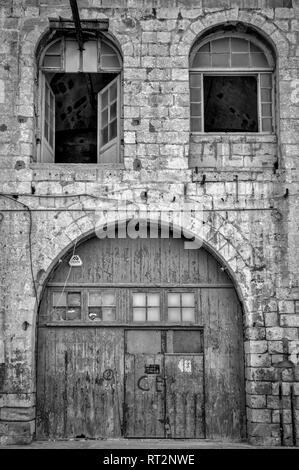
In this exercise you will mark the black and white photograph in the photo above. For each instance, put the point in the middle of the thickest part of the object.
(149, 230)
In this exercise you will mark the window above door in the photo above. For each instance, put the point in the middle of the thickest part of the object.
(80, 102)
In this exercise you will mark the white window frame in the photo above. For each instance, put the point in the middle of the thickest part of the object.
(235, 71)
(43, 71)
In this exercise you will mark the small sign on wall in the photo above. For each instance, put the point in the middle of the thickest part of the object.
(75, 261)
(185, 366)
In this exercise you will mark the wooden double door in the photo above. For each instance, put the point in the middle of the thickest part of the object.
(105, 382)
(145, 339)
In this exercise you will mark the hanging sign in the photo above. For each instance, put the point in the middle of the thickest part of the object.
(75, 261)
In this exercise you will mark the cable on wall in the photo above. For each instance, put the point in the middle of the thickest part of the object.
(28, 210)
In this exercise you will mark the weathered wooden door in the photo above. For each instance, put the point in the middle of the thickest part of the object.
(144, 396)
(79, 385)
(121, 350)
(164, 390)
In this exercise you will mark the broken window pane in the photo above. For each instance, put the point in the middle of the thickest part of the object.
(230, 103)
(95, 313)
(74, 299)
(108, 313)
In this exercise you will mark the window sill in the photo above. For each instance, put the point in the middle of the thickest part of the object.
(77, 166)
(265, 137)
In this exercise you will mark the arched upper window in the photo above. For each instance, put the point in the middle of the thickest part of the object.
(80, 101)
(231, 84)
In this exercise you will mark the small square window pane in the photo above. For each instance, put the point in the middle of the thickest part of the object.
(220, 45)
(74, 299)
(258, 59)
(266, 80)
(105, 99)
(195, 95)
(174, 300)
(52, 61)
(95, 313)
(266, 110)
(108, 313)
(94, 299)
(195, 80)
(220, 60)
(266, 95)
(59, 299)
(113, 129)
(113, 109)
(110, 61)
(240, 60)
(196, 109)
(239, 45)
(139, 299)
(153, 300)
(113, 92)
(105, 135)
(174, 314)
(188, 300)
(188, 314)
(267, 125)
(202, 59)
(73, 313)
(153, 314)
(139, 314)
(58, 313)
(108, 299)
(104, 118)
(196, 125)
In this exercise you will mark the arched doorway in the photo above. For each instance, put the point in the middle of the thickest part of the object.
(145, 339)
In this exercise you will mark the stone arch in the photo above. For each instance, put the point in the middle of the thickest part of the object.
(219, 239)
(258, 22)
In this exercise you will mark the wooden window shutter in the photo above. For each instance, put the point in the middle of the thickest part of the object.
(48, 123)
(109, 122)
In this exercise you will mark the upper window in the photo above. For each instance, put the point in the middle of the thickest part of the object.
(231, 85)
(80, 102)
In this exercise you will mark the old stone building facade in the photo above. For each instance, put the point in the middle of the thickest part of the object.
(137, 139)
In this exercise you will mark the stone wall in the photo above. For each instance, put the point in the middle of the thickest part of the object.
(247, 186)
